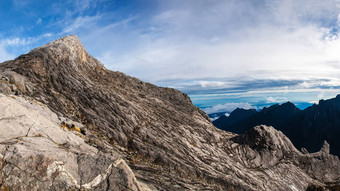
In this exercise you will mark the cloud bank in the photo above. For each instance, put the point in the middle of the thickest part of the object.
(200, 40)
(227, 50)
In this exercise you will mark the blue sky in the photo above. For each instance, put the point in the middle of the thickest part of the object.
(224, 54)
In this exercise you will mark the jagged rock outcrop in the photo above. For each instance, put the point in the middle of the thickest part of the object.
(167, 142)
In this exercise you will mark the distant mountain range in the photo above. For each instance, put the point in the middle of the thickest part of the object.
(306, 128)
(234, 117)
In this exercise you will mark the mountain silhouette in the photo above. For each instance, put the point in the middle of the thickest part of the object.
(235, 116)
(307, 128)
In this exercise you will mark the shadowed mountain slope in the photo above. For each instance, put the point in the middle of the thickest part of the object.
(235, 116)
(306, 128)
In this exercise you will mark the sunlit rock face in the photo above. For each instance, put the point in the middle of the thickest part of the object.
(37, 154)
(72, 124)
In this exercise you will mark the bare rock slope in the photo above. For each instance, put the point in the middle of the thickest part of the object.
(37, 154)
(167, 142)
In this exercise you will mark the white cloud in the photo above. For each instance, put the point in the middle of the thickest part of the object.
(240, 50)
(4, 55)
(214, 118)
(197, 41)
(47, 35)
(83, 5)
(15, 42)
(11, 47)
(221, 39)
(228, 107)
(80, 22)
(276, 99)
(314, 102)
(212, 84)
(5, 44)
(325, 83)
(321, 94)
(20, 3)
(39, 21)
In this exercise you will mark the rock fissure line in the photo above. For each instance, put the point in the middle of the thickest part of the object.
(11, 118)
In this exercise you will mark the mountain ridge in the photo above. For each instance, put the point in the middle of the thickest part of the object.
(235, 116)
(166, 141)
(306, 128)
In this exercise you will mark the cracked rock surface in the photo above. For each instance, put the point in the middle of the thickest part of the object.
(137, 135)
(34, 157)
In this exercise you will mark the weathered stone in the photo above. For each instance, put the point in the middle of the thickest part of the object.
(4, 88)
(18, 80)
(34, 156)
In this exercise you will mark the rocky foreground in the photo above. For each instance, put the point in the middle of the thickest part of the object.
(68, 123)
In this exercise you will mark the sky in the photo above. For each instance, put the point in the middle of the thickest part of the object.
(223, 53)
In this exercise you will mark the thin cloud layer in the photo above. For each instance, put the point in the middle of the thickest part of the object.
(200, 47)
(228, 107)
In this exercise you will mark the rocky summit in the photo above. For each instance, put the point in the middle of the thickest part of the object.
(68, 123)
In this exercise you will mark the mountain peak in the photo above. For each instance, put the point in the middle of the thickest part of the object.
(70, 40)
(325, 147)
(289, 104)
(68, 50)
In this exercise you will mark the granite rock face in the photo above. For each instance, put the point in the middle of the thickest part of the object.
(37, 154)
(167, 142)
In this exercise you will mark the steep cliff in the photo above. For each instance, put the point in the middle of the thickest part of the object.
(167, 142)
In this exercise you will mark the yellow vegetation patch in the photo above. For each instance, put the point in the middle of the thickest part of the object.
(71, 127)
(4, 188)
(64, 126)
(75, 128)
